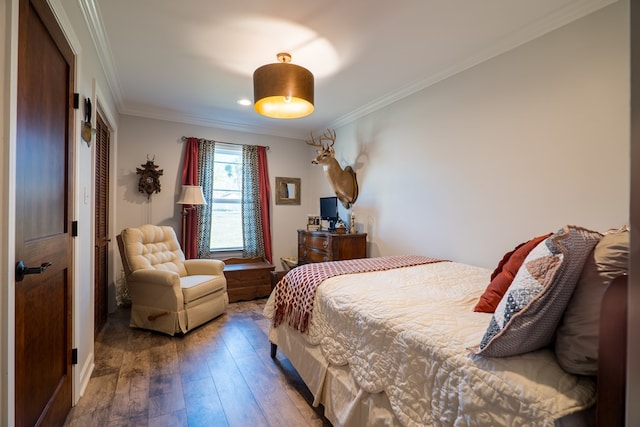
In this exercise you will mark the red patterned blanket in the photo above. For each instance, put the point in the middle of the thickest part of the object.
(295, 293)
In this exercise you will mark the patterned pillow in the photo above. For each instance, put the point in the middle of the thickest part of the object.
(528, 314)
(578, 333)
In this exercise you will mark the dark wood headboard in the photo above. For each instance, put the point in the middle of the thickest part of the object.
(612, 355)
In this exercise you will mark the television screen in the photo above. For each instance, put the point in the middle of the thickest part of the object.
(329, 208)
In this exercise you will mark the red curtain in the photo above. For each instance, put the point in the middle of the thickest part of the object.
(265, 199)
(190, 177)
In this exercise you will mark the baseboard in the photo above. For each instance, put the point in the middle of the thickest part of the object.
(83, 377)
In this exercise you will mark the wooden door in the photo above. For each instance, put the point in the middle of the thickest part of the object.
(102, 240)
(44, 205)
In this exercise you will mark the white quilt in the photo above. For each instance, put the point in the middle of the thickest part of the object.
(406, 331)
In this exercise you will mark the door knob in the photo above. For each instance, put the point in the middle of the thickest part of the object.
(22, 270)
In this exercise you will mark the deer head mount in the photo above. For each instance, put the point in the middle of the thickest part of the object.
(343, 182)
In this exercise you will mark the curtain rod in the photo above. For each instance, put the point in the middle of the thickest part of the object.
(184, 138)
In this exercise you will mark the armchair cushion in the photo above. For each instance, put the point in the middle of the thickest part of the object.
(194, 287)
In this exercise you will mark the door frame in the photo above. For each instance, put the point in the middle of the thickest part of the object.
(100, 106)
(9, 38)
(83, 305)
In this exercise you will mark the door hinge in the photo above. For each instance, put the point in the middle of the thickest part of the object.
(76, 101)
(74, 356)
(74, 229)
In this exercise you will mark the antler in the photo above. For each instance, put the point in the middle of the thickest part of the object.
(313, 141)
(329, 135)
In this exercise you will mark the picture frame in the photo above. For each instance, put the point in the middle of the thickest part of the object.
(313, 223)
(287, 191)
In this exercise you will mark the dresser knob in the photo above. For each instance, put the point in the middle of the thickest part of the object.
(305, 253)
(326, 258)
(325, 244)
(304, 239)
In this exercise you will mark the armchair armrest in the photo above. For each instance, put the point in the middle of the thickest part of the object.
(204, 266)
(155, 277)
(159, 289)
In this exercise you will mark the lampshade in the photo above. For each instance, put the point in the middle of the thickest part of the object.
(283, 90)
(191, 195)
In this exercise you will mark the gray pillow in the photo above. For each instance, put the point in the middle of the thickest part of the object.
(578, 333)
(529, 313)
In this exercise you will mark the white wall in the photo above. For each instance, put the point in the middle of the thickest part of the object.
(161, 141)
(515, 147)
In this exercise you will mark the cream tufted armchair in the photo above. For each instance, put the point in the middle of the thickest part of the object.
(168, 293)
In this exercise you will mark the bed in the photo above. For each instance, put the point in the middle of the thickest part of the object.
(396, 341)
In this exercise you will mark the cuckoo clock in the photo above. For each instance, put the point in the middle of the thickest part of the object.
(149, 178)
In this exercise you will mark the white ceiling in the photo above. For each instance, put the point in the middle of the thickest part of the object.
(190, 61)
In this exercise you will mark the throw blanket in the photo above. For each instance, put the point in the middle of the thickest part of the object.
(295, 293)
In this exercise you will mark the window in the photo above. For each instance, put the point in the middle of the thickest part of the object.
(226, 216)
(235, 186)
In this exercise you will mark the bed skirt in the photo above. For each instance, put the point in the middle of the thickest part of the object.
(347, 405)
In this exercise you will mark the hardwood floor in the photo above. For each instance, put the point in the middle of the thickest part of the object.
(220, 374)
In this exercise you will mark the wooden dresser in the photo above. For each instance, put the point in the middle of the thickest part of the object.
(247, 278)
(321, 246)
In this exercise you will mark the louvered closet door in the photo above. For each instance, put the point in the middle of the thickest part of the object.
(101, 224)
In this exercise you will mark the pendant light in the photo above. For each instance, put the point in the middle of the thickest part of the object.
(283, 90)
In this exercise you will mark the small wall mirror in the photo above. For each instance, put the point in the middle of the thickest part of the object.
(287, 191)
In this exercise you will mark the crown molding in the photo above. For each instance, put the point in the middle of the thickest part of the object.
(96, 29)
(172, 116)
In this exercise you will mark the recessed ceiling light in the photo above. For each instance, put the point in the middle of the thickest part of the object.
(244, 101)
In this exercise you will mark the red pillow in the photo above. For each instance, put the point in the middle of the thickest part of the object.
(504, 260)
(503, 275)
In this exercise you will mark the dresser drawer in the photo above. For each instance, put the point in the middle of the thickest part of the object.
(314, 241)
(322, 246)
(311, 255)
